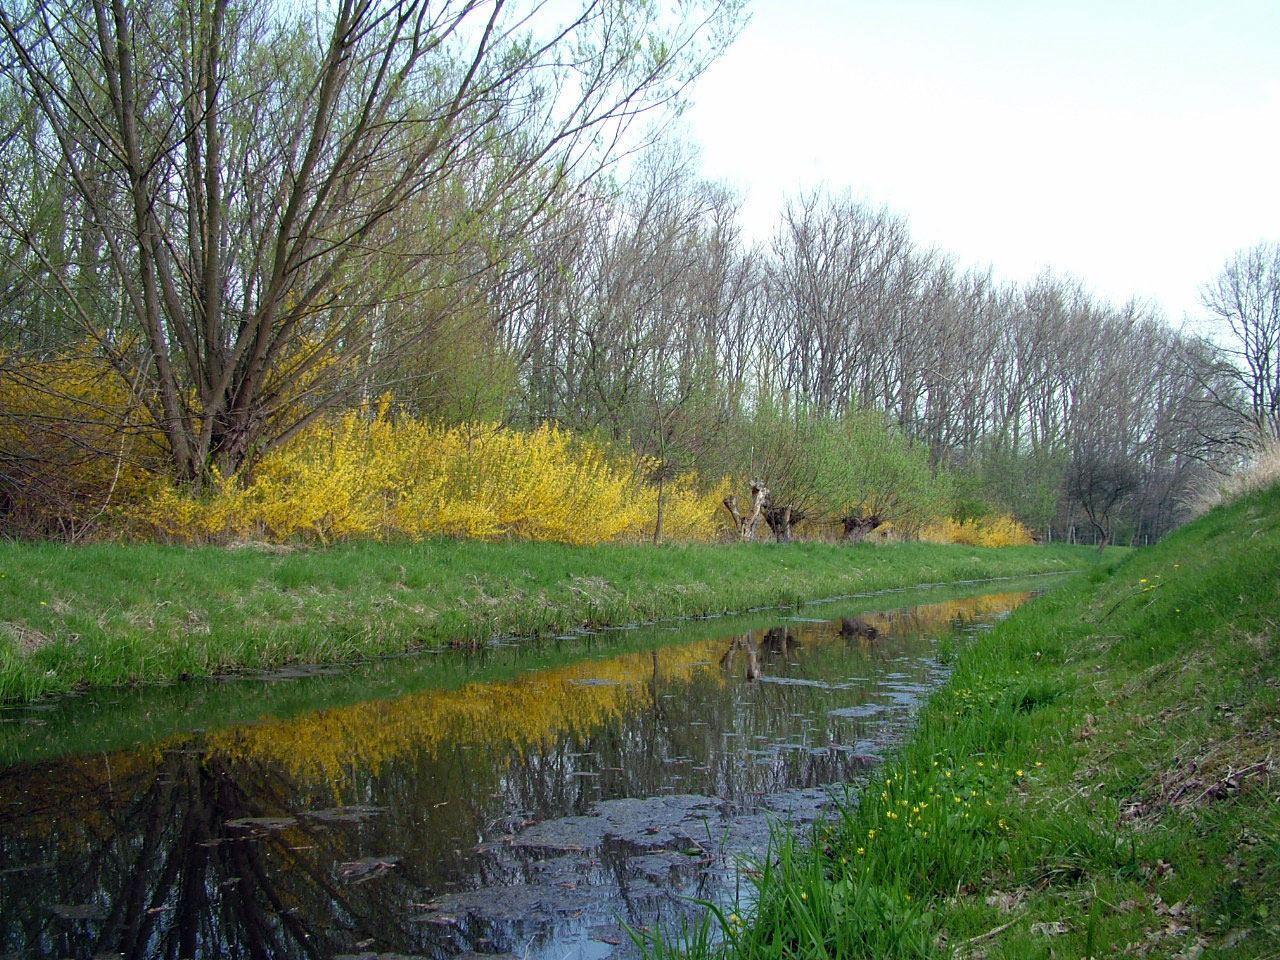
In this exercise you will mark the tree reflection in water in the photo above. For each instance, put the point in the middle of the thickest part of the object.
(405, 825)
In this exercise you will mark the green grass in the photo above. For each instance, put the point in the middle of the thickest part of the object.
(1097, 779)
(110, 614)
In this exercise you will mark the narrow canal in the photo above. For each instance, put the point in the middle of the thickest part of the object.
(523, 800)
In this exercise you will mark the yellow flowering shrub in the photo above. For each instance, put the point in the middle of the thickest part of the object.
(371, 474)
(691, 511)
(76, 445)
(85, 458)
(483, 481)
(999, 530)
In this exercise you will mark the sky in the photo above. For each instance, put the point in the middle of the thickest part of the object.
(1132, 145)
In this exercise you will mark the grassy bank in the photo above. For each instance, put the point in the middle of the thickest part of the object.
(1098, 779)
(108, 614)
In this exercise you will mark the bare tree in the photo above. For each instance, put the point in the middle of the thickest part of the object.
(627, 327)
(1245, 298)
(1099, 480)
(838, 271)
(255, 217)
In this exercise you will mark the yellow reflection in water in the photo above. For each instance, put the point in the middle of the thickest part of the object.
(539, 707)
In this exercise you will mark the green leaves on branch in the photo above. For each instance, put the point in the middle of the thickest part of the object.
(829, 468)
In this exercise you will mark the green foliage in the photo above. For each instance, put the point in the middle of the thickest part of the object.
(866, 466)
(774, 446)
(995, 479)
(349, 191)
(831, 467)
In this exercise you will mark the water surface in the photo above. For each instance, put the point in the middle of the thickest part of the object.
(514, 800)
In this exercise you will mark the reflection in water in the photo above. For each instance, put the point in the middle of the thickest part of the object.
(524, 816)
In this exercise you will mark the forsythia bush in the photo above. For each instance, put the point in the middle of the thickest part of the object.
(1000, 530)
(380, 476)
(77, 449)
(690, 512)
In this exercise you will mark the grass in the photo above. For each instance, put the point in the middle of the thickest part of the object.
(1097, 779)
(111, 614)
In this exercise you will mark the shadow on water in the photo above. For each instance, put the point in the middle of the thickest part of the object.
(524, 811)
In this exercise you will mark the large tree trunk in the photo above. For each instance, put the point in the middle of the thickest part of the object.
(782, 521)
(747, 524)
(254, 270)
(857, 528)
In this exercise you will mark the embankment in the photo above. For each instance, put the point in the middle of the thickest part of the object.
(1098, 778)
(109, 614)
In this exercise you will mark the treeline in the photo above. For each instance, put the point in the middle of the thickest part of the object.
(653, 319)
(225, 227)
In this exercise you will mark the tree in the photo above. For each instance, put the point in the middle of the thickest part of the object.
(1245, 298)
(622, 323)
(854, 469)
(871, 473)
(774, 445)
(1099, 481)
(840, 271)
(271, 191)
(1027, 482)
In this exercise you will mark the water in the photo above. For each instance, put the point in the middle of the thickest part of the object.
(524, 801)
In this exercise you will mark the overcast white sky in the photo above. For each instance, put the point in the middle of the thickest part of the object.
(1134, 145)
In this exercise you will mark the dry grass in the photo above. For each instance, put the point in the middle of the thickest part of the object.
(1261, 472)
(26, 639)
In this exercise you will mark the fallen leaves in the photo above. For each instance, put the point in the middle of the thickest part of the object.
(1006, 901)
(1053, 928)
